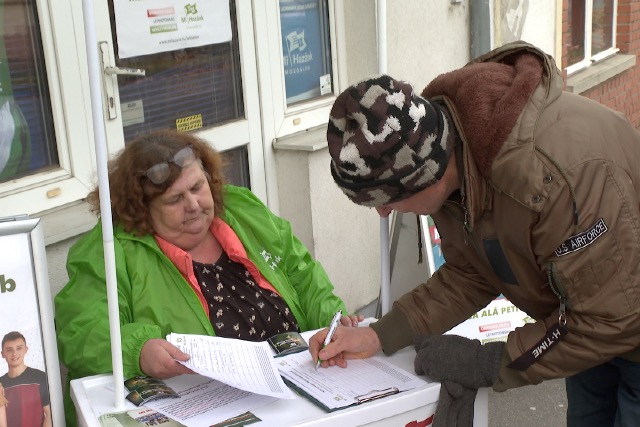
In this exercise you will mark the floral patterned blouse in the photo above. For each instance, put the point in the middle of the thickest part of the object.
(238, 307)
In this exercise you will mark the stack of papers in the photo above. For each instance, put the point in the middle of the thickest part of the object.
(237, 376)
(246, 365)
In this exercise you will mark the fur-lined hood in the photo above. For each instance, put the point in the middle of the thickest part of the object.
(490, 93)
(496, 102)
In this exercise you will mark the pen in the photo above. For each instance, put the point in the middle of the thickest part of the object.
(332, 329)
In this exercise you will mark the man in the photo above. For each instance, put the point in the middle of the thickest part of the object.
(25, 388)
(535, 193)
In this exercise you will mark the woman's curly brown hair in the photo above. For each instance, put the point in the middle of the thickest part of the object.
(131, 190)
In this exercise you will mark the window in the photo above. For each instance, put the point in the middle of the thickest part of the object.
(45, 126)
(27, 137)
(306, 49)
(592, 26)
(297, 52)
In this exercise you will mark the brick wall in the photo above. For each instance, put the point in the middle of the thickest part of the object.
(621, 93)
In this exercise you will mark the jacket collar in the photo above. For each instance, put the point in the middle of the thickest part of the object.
(231, 245)
(489, 98)
(486, 100)
(222, 232)
(475, 191)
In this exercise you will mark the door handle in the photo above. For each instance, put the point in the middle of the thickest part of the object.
(124, 71)
(110, 81)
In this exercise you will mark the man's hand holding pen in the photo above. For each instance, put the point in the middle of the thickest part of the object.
(332, 329)
(346, 343)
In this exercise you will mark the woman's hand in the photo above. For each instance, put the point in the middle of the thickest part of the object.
(351, 320)
(158, 359)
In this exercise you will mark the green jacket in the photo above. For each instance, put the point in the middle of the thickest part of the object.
(155, 299)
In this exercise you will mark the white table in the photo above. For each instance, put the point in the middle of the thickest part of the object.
(94, 396)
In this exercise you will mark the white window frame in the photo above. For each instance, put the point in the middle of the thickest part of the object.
(590, 59)
(70, 103)
(286, 120)
(246, 130)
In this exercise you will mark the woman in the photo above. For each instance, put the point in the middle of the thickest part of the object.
(192, 256)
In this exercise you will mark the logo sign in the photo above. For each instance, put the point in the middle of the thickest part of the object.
(145, 27)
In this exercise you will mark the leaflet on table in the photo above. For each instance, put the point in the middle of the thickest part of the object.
(287, 343)
(144, 389)
(245, 365)
(204, 401)
(201, 402)
(136, 418)
(141, 417)
(336, 388)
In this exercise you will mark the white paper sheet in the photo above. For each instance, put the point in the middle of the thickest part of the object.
(150, 26)
(245, 365)
(336, 387)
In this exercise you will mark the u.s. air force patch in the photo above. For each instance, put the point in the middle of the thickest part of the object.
(582, 240)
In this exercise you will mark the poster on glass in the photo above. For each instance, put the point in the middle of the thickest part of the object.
(306, 49)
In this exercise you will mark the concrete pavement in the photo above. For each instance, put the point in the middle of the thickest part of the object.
(542, 405)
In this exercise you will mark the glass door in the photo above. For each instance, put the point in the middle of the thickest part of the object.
(195, 79)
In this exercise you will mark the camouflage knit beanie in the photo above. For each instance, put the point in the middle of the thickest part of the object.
(386, 142)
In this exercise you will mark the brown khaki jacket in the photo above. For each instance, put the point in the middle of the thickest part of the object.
(549, 212)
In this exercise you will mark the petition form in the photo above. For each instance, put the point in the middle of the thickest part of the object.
(245, 365)
(335, 388)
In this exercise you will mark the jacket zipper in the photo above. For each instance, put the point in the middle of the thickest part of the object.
(558, 289)
(466, 228)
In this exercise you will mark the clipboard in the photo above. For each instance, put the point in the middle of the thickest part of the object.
(334, 388)
(364, 398)
(377, 394)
